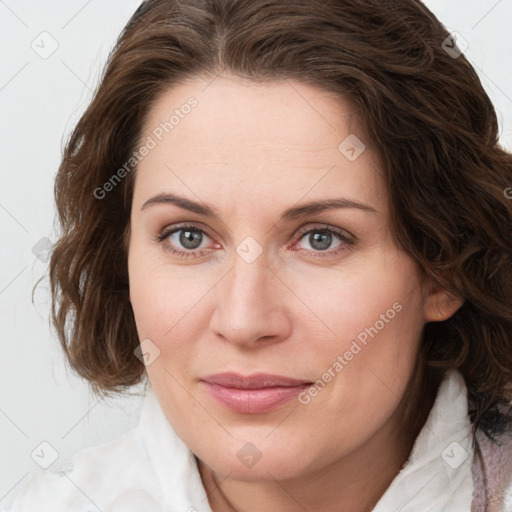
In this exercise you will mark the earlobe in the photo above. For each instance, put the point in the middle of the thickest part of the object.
(440, 304)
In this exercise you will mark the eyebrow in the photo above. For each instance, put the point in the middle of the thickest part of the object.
(292, 213)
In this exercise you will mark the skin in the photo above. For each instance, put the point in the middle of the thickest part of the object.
(250, 151)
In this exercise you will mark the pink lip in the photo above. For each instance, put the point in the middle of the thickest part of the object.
(253, 394)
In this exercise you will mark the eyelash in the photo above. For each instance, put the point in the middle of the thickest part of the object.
(347, 241)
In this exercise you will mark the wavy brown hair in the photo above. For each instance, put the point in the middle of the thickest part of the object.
(424, 111)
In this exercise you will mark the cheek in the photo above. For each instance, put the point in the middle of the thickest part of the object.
(163, 309)
(166, 313)
(373, 301)
(169, 307)
(377, 320)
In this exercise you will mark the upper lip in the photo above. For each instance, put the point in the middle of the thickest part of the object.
(255, 381)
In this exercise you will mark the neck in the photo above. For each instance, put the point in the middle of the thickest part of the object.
(353, 484)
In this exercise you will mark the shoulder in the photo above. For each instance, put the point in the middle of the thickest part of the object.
(112, 476)
(506, 447)
(492, 473)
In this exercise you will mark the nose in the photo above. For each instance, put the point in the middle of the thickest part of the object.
(251, 306)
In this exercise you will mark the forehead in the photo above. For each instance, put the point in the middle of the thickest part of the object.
(240, 138)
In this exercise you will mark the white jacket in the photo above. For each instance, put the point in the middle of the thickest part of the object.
(150, 469)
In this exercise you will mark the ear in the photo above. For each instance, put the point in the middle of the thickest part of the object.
(439, 304)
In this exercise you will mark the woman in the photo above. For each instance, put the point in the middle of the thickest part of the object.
(290, 220)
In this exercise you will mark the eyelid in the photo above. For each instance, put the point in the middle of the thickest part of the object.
(172, 228)
(347, 238)
(325, 227)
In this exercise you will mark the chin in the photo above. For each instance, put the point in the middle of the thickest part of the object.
(249, 464)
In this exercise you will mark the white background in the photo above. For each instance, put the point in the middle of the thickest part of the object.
(40, 100)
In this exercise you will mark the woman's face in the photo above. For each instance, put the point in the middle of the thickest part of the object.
(238, 267)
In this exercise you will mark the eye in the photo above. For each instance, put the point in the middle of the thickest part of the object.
(185, 240)
(321, 240)
(190, 241)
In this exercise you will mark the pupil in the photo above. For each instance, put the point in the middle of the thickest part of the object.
(189, 238)
(320, 241)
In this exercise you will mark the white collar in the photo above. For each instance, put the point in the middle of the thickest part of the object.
(174, 463)
(436, 478)
(438, 474)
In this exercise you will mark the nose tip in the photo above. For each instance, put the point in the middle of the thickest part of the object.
(246, 330)
(249, 307)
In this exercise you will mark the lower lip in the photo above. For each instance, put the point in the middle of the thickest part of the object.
(254, 401)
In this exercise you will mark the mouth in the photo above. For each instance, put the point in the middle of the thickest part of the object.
(253, 394)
